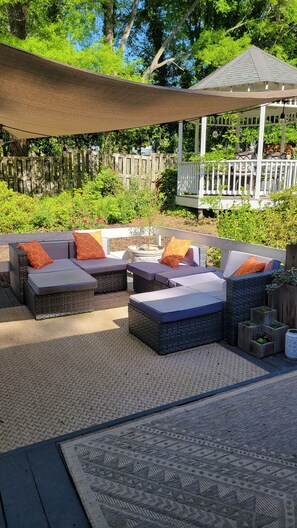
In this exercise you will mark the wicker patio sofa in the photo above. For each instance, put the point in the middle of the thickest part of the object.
(238, 294)
(66, 286)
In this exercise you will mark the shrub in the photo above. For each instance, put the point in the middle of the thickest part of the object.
(167, 187)
(272, 226)
(16, 211)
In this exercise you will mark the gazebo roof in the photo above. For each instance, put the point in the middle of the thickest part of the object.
(253, 66)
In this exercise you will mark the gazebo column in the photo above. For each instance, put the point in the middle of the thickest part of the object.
(179, 156)
(238, 129)
(283, 139)
(197, 136)
(260, 151)
(202, 152)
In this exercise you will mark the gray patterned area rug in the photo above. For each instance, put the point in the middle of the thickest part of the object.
(228, 461)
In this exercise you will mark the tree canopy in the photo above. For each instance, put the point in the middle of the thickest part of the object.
(176, 42)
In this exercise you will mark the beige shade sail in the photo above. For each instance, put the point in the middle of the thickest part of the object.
(40, 97)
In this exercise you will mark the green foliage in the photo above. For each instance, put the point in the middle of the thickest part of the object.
(262, 339)
(283, 276)
(271, 226)
(15, 211)
(182, 212)
(106, 182)
(167, 187)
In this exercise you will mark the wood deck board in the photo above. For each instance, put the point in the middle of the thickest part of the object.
(20, 498)
(59, 499)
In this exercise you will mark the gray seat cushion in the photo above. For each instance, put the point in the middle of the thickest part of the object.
(175, 304)
(62, 264)
(100, 265)
(57, 249)
(149, 270)
(61, 281)
(180, 271)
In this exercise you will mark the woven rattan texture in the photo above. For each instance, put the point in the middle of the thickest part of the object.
(141, 285)
(111, 281)
(60, 375)
(178, 335)
(228, 461)
(243, 293)
(58, 304)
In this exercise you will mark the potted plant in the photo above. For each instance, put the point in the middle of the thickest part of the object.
(146, 250)
(282, 295)
(246, 332)
(263, 314)
(277, 332)
(262, 345)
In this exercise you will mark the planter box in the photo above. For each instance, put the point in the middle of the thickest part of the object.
(284, 299)
(263, 317)
(278, 336)
(261, 351)
(246, 334)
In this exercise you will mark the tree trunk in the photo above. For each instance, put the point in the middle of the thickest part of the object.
(129, 26)
(108, 21)
(17, 17)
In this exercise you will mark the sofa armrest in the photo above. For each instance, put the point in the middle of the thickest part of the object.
(195, 256)
(243, 293)
(18, 270)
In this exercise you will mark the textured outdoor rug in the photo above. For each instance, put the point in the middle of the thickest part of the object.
(62, 375)
(229, 461)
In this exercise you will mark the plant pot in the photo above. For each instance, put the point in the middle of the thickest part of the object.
(291, 343)
(145, 253)
(261, 317)
(277, 335)
(261, 351)
(284, 299)
(246, 334)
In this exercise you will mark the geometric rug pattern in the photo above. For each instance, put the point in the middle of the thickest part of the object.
(161, 472)
(64, 374)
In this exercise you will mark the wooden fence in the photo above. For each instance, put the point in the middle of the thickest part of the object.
(38, 175)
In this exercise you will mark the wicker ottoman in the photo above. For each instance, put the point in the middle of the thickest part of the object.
(60, 293)
(175, 319)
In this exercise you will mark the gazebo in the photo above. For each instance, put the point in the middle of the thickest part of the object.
(251, 173)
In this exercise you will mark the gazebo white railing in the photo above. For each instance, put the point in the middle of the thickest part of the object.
(236, 178)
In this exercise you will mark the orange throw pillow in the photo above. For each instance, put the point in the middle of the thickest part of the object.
(250, 265)
(87, 248)
(175, 252)
(36, 255)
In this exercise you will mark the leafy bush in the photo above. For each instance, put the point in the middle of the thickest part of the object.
(16, 211)
(106, 182)
(271, 226)
(167, 187)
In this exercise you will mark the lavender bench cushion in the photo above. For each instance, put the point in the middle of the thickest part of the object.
(175, 304)
(193, 281)
(60, 264)
(61, 281)
(181, 271)
(149, 270)
(100, 265)
(57, 249)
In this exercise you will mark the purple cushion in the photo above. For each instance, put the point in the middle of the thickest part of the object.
(272, 265)
(100, 265)
(147, 270)
(175, 304)
(61, 281)
(180, 271)
(58, 265)
(57, 249)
